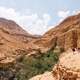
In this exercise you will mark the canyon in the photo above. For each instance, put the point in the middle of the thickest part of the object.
(15, 42)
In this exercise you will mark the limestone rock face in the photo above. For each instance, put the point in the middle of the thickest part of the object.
(68, 67)
(13, 40)
(65, 35)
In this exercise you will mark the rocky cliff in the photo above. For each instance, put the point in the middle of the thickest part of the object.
(13, 41)
(65, 35)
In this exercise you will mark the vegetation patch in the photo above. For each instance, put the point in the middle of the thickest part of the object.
(36, 65)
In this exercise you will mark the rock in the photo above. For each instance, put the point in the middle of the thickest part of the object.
(65, 35)
(68, 67)
(45, 76)
(13, 39)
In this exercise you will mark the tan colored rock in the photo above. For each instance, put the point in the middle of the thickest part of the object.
(65, 35)
(45, 76)
(13, 39)
(68, 67)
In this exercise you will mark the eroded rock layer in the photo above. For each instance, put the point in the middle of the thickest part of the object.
(65, 35)
(68, 67)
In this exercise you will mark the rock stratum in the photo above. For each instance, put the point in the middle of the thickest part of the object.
(13, 41)
(65, 35)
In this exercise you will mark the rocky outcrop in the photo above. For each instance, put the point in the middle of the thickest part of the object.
(65, 35)
(13, 40)
(68, 68)
(12, 28)
(13, 46)
(69, 39)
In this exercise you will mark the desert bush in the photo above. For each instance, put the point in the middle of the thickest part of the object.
(36, 65)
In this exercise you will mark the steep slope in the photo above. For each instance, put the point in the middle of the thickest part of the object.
(10, 27)
(13, 41)
(68, 67)
(65, 35)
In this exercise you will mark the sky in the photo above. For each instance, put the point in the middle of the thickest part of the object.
(38, 16)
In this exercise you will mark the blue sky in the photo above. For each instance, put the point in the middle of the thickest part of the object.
(38, 16)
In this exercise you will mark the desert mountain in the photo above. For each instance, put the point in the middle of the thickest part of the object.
(13, 40)
(13, 37)
(16, 42)
(65, 35)
(12, 28)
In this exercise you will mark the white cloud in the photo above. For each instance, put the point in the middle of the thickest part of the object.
(63, 14)
(76, 12)
(32, 23)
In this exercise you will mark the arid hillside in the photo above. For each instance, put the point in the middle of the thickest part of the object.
(65, 35)
(15, 43)
(13, 40)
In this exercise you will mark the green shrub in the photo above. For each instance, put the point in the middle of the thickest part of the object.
(36, 65)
